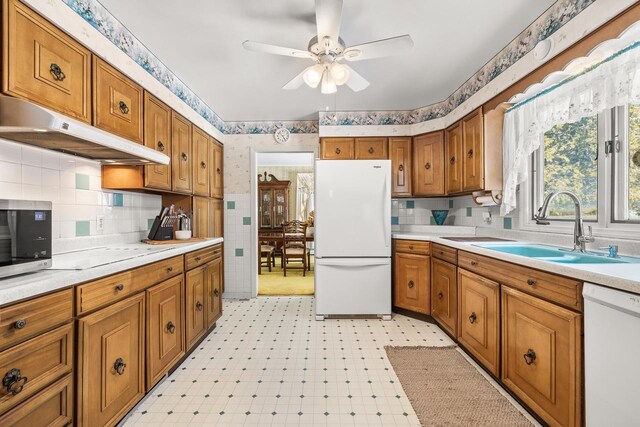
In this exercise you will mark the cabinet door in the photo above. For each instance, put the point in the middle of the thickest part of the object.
(217, 169)
(111, 362)
(453, 158)
(44, 65)
(280, 206)
(542, 356)
(157, 135)
(428, 164)
(479, 309)
(117, 102)
(265, 207)
(216, 226)
(181, 152)
(196, 314)
(214, 291)
(400, 155)
(201, 217)
(473, 152)
(201, 164)
(337, 149)
(165, 327)
(411, 287)
(444, 295)
(371, 148)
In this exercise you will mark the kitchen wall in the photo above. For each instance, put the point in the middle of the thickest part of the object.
(73, 185)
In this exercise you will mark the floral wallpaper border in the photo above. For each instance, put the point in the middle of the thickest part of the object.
(102, 20)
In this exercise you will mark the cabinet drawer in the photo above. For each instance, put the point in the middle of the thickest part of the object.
(371, 148)
(29, 318)
(53, 406)
(412, 247)
(28, 367)
(117, 102)
(444, 253)
(201, 257)
(479, 322)
(542, 356)
(444, 295)
(558, 289)
(337, 149)
(44, 65)
(102, 292)
(411, 287)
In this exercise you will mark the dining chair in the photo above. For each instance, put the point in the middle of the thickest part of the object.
(294, 244)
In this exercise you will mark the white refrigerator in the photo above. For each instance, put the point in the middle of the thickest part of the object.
(353, 238)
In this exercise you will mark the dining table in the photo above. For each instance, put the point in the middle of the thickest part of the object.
(277, 238)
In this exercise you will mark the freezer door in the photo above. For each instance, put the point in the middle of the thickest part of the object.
(353, 208)
(353, 286)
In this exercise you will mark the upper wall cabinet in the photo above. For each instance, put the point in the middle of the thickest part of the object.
(157, 135)
(201, 161)
(217, 170)
(44, 65)
(400, 155)
(428, 164)
(117, 102)
(453, 158)
(371, 148)
(473, 151)
(181, 151)
(337, 149)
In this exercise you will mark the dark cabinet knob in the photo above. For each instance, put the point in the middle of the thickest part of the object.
(410, 284)
(401, 168)
(184, 156)
(473, 317)
(171, 328)
(441, 252)
(470, 154)
(160, 146)
(20, 323)
(124, 108)
(440, 295)
(410, 247)
(199, 306)
(427, 166)
(57, 72)
(198, 259)
(14, 382)
(119, 366)
(452, 160)
(203, 165)
(338, 150)
(531, 282)
(474, 263)
(218, 170)
(119, 288)
(371, 150)
(216, 292)
(530, 357)
(169, 269)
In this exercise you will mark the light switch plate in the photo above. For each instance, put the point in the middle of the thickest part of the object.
(100, 224)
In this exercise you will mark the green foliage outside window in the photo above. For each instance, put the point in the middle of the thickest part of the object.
(634, 170)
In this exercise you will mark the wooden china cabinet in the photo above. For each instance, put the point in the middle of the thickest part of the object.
(273, 202)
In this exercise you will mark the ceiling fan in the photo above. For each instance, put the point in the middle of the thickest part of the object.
(327, 49)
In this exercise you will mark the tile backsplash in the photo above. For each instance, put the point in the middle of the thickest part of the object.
(73, 185)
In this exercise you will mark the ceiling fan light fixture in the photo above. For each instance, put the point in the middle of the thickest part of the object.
(339, 73)
(328, 86)
(313, 75)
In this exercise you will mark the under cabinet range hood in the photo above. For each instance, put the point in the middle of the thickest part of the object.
(26, 122)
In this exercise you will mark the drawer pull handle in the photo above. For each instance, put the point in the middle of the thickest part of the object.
(198, 258)
(184, 156)
(171, 328)
(199, 306)
(57, 72)
(427, 166)
(124, 108)
(14, 382)
(530, 357)
(531, 282)
(119, 288)
(411, 247)
(338, 150)
(410, 284)
(216, 292)
(21, 323)
(470, 154)
(169, 269)
(401, 168)
(440, 295)
(371, 150)
(160, 146)
(218, 170)
(119, 366)
(474, 263)
(441, 252)
(203, 165)
(452, 160)
(473, 318)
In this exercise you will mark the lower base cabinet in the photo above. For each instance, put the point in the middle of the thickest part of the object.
(479, 322)
(444, 295)
(213, 288)
(411, 283)
(111, 344)
(196, 324)
(542, 356)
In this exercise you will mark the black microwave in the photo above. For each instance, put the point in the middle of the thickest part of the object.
(25, 236)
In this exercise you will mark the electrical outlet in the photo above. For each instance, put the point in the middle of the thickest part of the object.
(100, 224)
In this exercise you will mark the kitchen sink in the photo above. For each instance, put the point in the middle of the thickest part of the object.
(556, 254)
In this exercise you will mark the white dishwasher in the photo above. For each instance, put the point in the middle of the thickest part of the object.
(612, 357)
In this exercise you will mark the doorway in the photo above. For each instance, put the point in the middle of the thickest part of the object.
(284, 220)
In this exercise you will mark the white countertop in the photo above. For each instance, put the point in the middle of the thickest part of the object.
(29, 285)
(625, 277)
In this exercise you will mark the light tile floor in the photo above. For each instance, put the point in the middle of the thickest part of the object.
(270, 363)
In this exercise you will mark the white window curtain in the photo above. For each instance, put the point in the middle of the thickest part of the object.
(613, 82)
(304, 196)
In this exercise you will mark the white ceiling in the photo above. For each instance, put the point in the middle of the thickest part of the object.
(200, 41)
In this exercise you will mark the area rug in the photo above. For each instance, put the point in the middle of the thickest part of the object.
(274, 282)
(446, 390)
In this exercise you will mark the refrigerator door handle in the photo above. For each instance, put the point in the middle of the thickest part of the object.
(387, 211)
(341, 262)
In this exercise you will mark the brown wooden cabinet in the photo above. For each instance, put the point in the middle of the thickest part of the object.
(371, 148)
(165, 328)
(444, 295)
(273, 201)
(400, 155)
(111, 372)
(157, 135)
(479, 321)
(181, 153)
(213, 290)
(473, 151)
(428, 164)
(337, 149)
(542, 356)
(44, 65)
(411, 285)
(217, 170)
(216, 213)
(201, 217)
(453, 158)
(117, 102)
(201, 162)
(195, 305)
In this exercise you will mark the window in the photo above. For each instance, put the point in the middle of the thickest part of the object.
(625, 151)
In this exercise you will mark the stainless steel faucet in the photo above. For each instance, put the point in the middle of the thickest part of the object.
(580, 239)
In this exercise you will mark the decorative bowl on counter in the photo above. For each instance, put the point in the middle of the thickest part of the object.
(440, 215)
(183, 234)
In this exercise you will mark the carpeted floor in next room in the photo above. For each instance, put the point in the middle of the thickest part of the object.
(274, 282)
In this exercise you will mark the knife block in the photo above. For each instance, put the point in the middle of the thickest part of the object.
(158, 232)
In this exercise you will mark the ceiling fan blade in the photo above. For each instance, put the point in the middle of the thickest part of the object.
(377, 49)
(295, 82)
(328, 15)
(356, 82)
(277, 50)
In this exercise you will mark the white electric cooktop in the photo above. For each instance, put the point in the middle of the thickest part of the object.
(90, 258)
